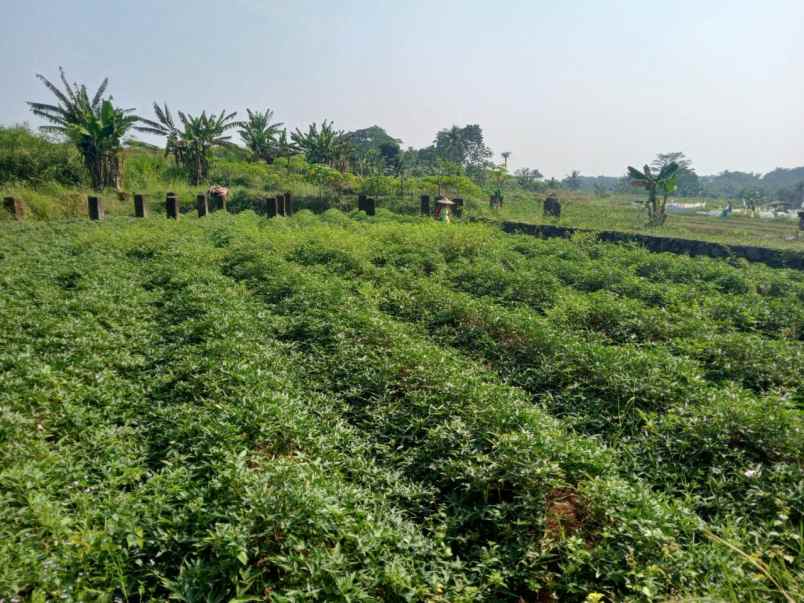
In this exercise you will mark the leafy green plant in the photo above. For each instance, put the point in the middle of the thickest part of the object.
(259, 133)
(95, 126)
(191, 144)
(323, 145)
(379, 408)
(663, 182)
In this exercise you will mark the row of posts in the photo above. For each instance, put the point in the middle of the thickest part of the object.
(281, 205)
(203, 205)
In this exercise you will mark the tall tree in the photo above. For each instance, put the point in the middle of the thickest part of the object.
(464, 146)
(450, 145)
(95, 126)
(374, 150)
(259, 133)
(680, 159)
(528, 178)
(478, 155)
(506, 155)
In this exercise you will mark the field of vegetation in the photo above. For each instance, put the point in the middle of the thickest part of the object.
(623, 212)
(328, 169)
(341, 408)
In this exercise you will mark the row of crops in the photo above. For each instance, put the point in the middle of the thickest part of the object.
(317, 408)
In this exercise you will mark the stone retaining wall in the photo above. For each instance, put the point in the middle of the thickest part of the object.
(776, 258)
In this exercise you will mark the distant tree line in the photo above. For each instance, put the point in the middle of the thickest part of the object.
(94, 131)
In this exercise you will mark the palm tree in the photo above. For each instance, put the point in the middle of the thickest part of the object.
(192, 144)
(506, 155)
(259, 134)
(325, 145)
(450, 145)
(95, 126)
(664, 180)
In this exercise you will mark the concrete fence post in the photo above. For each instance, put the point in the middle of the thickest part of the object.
(15, 207)
(272, 207)
(140, 210)
(216, 202)
(172, 206)
(552, 207)
(458, 210)
(202, 205)
(366, 204)
(288, 204)
(425, 205)
(95, 206)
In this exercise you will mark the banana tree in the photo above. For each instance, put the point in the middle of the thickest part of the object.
(664, 182)
(325, 145)
(191, 143)
(164, 125)
(94, 125)
(99, 137)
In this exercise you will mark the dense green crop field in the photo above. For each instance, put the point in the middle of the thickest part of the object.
(325, 408)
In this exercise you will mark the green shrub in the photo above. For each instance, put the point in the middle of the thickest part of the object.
(35, 159)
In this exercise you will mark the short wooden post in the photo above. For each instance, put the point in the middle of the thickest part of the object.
(95, 208)
(552, 207)
(280, 205)
(371, 207)
(15, 207)
(458, 211)
(288, 204)
(139, 206)
(202, 205)
(493, 201)
(425, 205)
(172, 206)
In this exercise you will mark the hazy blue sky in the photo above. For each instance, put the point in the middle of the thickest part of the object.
(588, 85)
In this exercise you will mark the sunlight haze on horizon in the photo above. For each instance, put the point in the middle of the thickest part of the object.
(587, 85)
